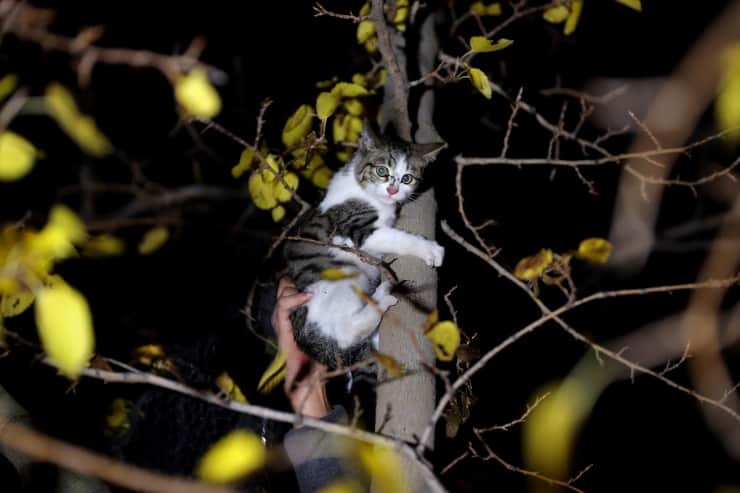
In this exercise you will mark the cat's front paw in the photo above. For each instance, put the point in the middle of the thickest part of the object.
(387, 301)
(432, 253)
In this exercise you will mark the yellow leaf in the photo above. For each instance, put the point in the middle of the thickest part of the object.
(354, 107)
(17, 156)
(479, 8)
(13, 304)
(283, 194)
(633, 4)
(153, 240)
(148, 354)
(556, 15)
(336, 274)
(278, 213)
(7, 85)
(245, 162)
(230, 388)
(727, 103)
(530, 268)
(262, 192)
(90, 139)
(348, 90)
(365, 31)
(321, 177)
(235, 455)
(391, 365)
(81, 128)
(362, 295)
(118, 416)
(595, 250)
(298, 125)
(274, 374)
(384, 468)
(342, 486)
(431, 320)
(196, 95)
(339, 128)
(103, 245)
(65, 328)
(445, 337)
(326, 104)
(482, 44)
(402, 12)
(480, 81)
(575, 13)
(62, 105)
(56, 239)
(358, 79)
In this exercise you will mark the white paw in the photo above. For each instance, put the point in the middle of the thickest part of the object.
(432, 253)
(387, 301)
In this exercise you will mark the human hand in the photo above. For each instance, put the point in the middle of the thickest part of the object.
(303, 376)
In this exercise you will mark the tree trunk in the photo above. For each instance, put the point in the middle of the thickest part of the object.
(404, 407)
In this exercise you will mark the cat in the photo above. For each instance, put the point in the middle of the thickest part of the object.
(336, 326)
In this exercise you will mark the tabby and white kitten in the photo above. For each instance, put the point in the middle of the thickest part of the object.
(359, 211)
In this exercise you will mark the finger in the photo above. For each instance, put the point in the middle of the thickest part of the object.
(287, 302)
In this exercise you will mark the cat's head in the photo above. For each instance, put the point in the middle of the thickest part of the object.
(388, 169)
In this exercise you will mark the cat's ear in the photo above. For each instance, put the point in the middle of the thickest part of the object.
(428, 152)
(369, 140)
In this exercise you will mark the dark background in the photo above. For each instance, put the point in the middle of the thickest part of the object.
(188, 296)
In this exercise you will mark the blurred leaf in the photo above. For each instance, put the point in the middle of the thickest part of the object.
(595, 250)
(298, 125)
(153, 240)
(531, 268)
(79, 127)
(117, 420)
(16, 303)
(633, 4)
(384, 468)
(17, 156)
(556, 15)
(480, 81)
(481, 44)
(342, 486)
(575, 13)
(445, 337)
(196, 95)
(7, 85)
(103, 245)
(65, 328)
(727, 103)
(148, 353)
(235, 455)
(62, 231)
(273, 375)
(479, 8)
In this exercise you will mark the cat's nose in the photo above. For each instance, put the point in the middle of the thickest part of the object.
(392, 189)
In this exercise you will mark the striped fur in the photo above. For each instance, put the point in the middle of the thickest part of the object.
(358, 212)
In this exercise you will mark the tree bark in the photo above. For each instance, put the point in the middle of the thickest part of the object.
(404, 406)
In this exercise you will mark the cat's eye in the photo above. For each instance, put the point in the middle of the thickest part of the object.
(407, 179)
(381, 171)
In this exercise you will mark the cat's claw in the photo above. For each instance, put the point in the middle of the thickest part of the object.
(433, 254)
